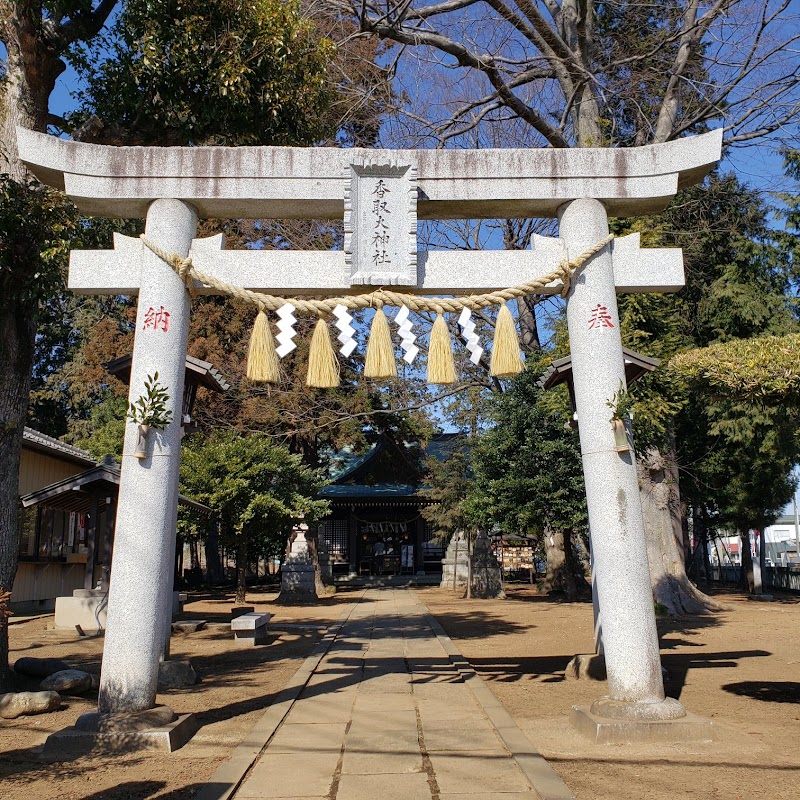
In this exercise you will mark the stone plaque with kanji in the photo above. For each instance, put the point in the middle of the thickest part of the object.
(380, 223)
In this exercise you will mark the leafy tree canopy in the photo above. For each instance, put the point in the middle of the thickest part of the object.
(766, 367)
(214, 72)
(451, 482)
(256, 488)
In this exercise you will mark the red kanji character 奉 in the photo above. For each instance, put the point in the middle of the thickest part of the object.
(600, 318)
(156, 320)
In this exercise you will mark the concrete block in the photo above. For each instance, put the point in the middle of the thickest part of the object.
(188, 625)
(178, 601)
(71, 742)
(237, 611)
(690, 728)
(87, 611)
(250, 622)
(250, 629)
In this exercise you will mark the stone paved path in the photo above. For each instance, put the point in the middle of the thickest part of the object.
(390, 714)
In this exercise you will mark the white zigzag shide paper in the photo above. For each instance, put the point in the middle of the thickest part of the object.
(407, 337)
(470, 337)
(346, 330)
(286, 325)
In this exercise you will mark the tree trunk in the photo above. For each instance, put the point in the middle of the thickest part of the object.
(563, 572)
(528, 326)
(24, 94)
(241, 570)
(468, 592)
(17, 333)
(658, 488)
(213, 563)
(746, 578)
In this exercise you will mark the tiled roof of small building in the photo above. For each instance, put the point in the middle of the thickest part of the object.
(40, 441)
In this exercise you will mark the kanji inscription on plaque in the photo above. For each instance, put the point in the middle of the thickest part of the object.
(380, 223)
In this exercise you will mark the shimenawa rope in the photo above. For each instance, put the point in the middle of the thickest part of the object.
(323, 371)
(439, 305)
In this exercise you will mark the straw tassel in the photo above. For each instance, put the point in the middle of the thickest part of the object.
(441, 367)
(380, 361)
(262, 360)
(506, 359)
(323, 366)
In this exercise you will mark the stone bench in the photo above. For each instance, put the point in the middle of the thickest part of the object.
(250, 629)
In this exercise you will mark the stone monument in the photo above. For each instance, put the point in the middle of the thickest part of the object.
(171, 187)
(487, 580)
(455, 564)
(298, 573)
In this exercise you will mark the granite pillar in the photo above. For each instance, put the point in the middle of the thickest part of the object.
(630, 639)
(455, 564)
(487, 577)
(140, 598)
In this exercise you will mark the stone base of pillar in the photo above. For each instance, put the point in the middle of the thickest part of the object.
(298, 575)
(157, 728)
(628, 711)
(601, 730)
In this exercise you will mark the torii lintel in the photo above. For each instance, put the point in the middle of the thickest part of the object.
(307, 182)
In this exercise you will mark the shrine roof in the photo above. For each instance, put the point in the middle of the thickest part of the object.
(308, 183)
(198, 372)
(340, 490)
(636, 366)
(34, 440)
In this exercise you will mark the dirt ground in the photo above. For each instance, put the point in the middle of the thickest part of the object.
(237, 685)
(740, 667)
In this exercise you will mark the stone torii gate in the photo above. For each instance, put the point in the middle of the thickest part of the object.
(171, 187)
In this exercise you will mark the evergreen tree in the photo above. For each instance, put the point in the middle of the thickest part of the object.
(529, 479)
(255, 488)
(733, 451)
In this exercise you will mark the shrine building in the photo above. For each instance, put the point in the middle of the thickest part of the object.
(376, 526)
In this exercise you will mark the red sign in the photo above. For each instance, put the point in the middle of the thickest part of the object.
(156, 320)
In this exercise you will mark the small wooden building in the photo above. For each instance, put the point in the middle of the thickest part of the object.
(70, 528)
(68, 504)
(46, 537)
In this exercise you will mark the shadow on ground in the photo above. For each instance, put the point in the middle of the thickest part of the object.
(550, 669)
(145, 790)
(766, 691)
(679, 664)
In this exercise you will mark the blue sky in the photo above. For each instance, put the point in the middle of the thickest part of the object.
(758, 164)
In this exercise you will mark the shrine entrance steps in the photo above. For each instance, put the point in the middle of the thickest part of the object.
(387, 710)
